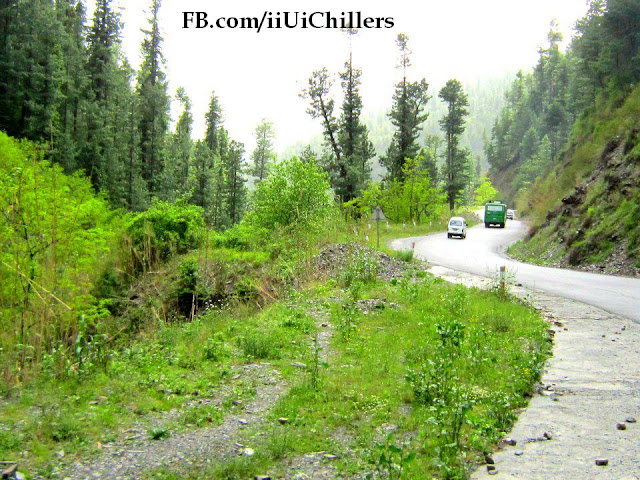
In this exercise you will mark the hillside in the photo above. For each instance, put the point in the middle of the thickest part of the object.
(586, 211)
(565, 148)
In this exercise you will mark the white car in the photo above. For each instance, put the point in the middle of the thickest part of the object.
(511, 214)
(457, 227)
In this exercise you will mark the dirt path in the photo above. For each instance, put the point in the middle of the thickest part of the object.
(591, 384)
(131, 460)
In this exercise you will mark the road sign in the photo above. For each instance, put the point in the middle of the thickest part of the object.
(378, 216)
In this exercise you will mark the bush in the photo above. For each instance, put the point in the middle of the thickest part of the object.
(163, 230)
(295, 196)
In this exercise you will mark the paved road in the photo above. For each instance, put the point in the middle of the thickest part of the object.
(483, 252)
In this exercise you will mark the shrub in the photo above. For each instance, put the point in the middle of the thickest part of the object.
(295, 196)
(163, 230)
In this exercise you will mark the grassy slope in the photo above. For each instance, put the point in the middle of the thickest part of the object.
(599, 176)
(365, 387)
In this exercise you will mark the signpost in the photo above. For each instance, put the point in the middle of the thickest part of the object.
(378, 217)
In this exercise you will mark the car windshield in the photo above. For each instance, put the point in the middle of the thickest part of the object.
(455, 223)
(495, 208)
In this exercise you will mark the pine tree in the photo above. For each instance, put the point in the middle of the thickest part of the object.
(213, 120)
(353, 136)
(263, 154)
(456, 168)
(409, 101)
(154, 104)
(178, 160)
(236, 189)
(71, 132)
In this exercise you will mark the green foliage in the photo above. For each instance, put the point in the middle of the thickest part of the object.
(294, 197)
(415, 199)
(485, 192)
(56, 237)
(407, 115)
(163, 230)
(390, 459)
(456, 172)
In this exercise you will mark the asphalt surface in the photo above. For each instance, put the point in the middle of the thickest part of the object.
(483, 252)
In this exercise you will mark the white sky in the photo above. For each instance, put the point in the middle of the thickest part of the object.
(260, 75)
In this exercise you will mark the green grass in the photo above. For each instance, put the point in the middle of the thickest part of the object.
(365, 386)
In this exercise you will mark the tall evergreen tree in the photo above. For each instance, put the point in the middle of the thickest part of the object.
(263, 154)
(456, 168)
(178, 162)
(154, 103)
(213, 120)
(353, 135)
(409, 101)
(236, 179)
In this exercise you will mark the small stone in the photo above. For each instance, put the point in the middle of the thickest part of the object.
(517, 453)
(547, 435)
(509, 441)
(243, 421)
(237, 402)
(604, 336)
(60, 454)
(493, 472)
(330, 456)
(621, 426)
(301, 476)
(299, 365)
(283, 420)
(489, 460)
(631, 420)
(325, 325)
(491, 468)
(262, 477)
(238, 445)
(248, 452)
(602, 462)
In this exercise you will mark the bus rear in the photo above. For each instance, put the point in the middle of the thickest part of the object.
(495, 214)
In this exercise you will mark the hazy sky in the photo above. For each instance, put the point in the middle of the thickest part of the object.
(259, 75)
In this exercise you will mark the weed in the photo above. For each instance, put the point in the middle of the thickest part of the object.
(158, 433)
(215, 348)
(404, 255)
(390, 459)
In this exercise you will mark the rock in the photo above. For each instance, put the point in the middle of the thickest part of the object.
(488, 460)
(238, 445)
(602, 462)
(262, 477)
(60, 454)
(330, 456)
(283, 420)
(236, 402)
(299, 365)
(517, 453)
(509, 441)
(301, 476)
(631, 420)
(621, 426)
(547, 435)
(493, 472)
(491, 468)
(243, 421)
(248, 452)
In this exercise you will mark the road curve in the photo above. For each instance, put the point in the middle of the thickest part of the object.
(483, 252)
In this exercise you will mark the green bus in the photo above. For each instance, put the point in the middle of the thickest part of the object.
(495, 213)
